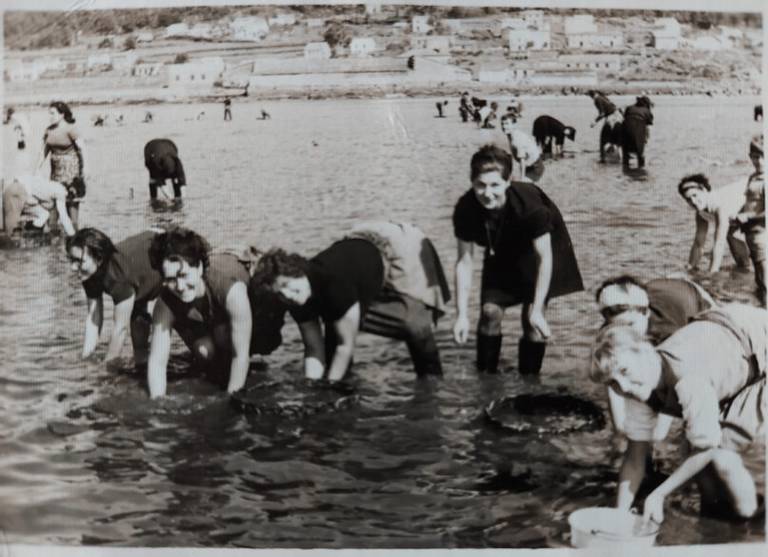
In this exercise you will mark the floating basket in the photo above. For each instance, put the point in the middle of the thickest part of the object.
(545, 413)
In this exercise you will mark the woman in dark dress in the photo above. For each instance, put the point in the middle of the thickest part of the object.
(529, 258)
(161, 157)
(123, 272)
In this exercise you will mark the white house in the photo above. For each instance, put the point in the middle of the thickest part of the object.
(317, 51)
(664, 40)
(49, 63)
(196, 74)
(282, 19)
(147, 69)
(528, 39)
(98, 60)
(202, 31)
(420, 24)
(360, 47)
(505, 74)
(372, 8)
(595, 40)
(564, 78)
(249, 28)
(534, 18)
(437, 44)
(125, 62)
(668, 23)
(596, 62)
(493, 75)
(18, 70)
(709, 42)
(583, 23)
(144, 37)
(513, 23)
(731, 33)
(453, 25)
(215, 62)
(177, 30)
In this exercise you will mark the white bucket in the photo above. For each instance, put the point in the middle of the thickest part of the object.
(606, 526)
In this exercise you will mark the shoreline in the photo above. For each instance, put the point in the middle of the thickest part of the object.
(163, 95)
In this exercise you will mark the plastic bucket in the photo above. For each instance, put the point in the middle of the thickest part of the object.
(606, 526)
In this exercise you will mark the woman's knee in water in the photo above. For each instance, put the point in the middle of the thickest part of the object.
(491, 316)
(204, 349)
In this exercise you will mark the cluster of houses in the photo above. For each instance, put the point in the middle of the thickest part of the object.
(583, 52)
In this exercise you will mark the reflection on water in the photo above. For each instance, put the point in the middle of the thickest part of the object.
(395, 462)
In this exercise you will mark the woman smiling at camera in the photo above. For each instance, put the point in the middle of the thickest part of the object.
(205, 300)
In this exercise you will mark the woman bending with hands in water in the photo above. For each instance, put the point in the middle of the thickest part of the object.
(124, 272)
(717, 207)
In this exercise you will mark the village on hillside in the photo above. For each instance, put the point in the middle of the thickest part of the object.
(385, 49)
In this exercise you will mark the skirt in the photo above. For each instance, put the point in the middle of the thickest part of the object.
(65, 167)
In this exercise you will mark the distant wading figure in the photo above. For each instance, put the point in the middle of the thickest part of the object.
(161, 157)
(227, 109)
(637, 118)
(550, 134)
(610, 134)
(63, 143)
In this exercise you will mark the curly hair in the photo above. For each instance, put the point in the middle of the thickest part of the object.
(63, 108)
(278, 263)
(611, 340)
(488, 158)
(100, 247)
(179, 244)
(700, 181)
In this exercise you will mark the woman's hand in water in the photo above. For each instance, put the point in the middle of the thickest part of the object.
(653, 510)
(539, 324)
(461, 329)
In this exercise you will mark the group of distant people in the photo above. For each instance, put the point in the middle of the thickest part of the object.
(386, 278)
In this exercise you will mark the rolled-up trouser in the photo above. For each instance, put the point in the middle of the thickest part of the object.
(398, 316)
(14, 199)
(16, 202)
(535, 171)
(756, 238)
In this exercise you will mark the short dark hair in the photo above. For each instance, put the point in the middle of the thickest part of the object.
(701, 181)
(622, 281)
(278, 263)
(100, 247)
(490, 157)
(179, 244)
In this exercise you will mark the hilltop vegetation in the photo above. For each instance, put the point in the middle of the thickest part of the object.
(35, 30)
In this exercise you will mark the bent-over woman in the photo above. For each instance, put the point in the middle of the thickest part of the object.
(123, 272)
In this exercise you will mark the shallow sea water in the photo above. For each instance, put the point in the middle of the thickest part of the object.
(86, 458)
